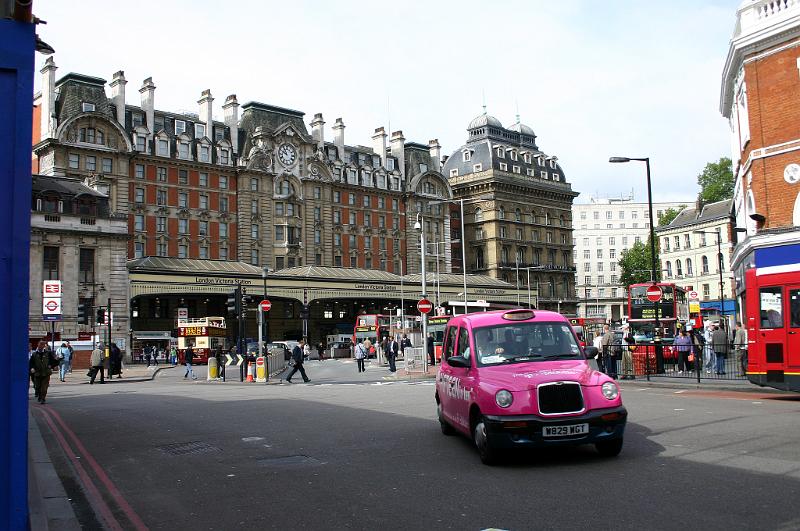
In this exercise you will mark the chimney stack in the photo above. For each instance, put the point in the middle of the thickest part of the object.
(318, 130)
(338, 137)
(148, 105)
(205, 102)
(231, 110)
(48, 124)
(436, 154)
(398, 151)
(379, 144)
(117, 85)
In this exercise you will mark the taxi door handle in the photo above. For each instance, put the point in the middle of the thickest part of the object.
(792, 332)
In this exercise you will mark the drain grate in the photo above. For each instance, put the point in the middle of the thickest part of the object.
(188, 448)
(289, 461)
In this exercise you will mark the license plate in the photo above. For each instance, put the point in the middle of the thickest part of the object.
(565, 431)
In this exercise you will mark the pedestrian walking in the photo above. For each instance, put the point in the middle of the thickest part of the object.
(41, 365)
(64, 357)
(148, 354)
(306, 351)
(709, 360)
(71, 356)
(597, 342)
(719, 342)
(431, 349)
(321, 351)
(173, 355)
(627, 356)
(391, 354)
(359, 354)
(404, 344)
(188, 358)
(115, 362)
(740, 344)
(96, 361)
(683, 344)
(609, 359)
(297, 358)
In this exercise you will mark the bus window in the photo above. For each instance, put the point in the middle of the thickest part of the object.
(794, 308)
(771, 307)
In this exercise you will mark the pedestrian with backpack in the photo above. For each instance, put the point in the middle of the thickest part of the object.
(359, 354)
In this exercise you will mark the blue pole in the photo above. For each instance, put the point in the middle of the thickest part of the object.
(17, 45)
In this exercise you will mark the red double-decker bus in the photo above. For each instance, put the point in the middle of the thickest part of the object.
(771, 301)
(672, 309)
(374, 327)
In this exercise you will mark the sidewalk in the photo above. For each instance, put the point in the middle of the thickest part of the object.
(131, 373)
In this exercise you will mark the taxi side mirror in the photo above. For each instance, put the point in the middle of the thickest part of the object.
(458, 361)
(591, 352)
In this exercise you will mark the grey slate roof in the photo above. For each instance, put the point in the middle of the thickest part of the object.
(690, 216)
(484, 120)
(270, 117)
(163, 264)
(65, 186)
(74, 89)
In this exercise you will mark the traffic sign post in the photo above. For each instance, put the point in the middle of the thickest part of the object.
(693, 295)
(654, 293)
(265, 305)
(424, 306)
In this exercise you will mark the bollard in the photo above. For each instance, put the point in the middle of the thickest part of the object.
(213, 369)
(261, 369)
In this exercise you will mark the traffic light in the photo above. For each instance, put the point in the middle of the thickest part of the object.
(83, 318)
(101, 316)
(233, 299)
(305, 311)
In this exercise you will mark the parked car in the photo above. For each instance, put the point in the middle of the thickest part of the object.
(520, 379)
(287, 347)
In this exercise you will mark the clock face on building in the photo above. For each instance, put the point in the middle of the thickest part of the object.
(287, 154)
(792, 173)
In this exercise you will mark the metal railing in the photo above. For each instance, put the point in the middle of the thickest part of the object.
(705, 361)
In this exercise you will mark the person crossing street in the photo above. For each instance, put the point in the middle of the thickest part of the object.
(297, 359)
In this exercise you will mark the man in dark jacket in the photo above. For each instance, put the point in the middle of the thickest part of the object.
(719, 342)
(392, 348)
(431, 349)
(297, 358)
(188, 358)
(41, 366)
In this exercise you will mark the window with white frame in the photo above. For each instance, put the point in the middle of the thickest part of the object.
(139, 171)
(501, 153)
(180, 126)
(454, 172)
(161, 174)
(107, 165)
(223, 182)
(139, 195)
(203, 201)
(163, 147)
(141, 143)
(183, 226)
(203, 228)
(138, 222)
(223, 230)
(199, 130)
(516, 169)
(139, 250)
(205, 154)
(183, 200)
(183, 150)
(544, 175)
(203, 179)
(87, 107)
(161, 224)
(74, 161)
(503, 166)
(90, 163)
(224, 156)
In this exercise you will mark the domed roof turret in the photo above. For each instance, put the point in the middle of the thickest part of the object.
(522, 129)
(483, 120)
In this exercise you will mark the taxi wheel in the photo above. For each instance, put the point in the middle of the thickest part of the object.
(487, 454)
(609, 448)
(447, 429)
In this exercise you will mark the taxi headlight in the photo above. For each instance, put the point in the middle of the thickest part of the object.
(503, 398)
(610, 390)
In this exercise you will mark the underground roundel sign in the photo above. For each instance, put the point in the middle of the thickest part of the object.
(424, 306)
(654, 293)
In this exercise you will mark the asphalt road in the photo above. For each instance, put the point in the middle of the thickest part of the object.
(351, 451)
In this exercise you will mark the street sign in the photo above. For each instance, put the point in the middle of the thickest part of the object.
(51, 306)
(654, 293)
(183, 314)
(424, 306)
(265, 305)
(51, 288)
(234, 359)
(693, 295)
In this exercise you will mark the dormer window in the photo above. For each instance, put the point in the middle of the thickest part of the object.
(513, 155)
(389, 164)
(87, 107)
(163, 147)
(552, 163)
(136, 119)
(183, 150)
(224, 156)
(467, 156)
(527, 158)
(423, 168)
(544, 175)
(199, 130)
(205, 154)
(141, 143)
(180, 127)
(454, 172)
(501, 153)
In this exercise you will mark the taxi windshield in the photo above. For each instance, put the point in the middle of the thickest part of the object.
(525, 342)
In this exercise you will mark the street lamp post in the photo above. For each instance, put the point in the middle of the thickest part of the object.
(420, 226)
(657, 334)
(719, 267)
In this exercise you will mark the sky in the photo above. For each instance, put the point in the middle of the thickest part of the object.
(593, 79)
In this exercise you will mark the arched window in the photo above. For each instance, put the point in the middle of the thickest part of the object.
(521, 255)
(517, 215)
(678, 268)
(478, 215)
(502, 213)
(479, 259)
(705, 265)
(286, 188)
(669, 269)
(689, 271)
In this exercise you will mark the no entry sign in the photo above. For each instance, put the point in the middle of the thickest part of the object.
(424, 306)
(265, 305)
(654, 293)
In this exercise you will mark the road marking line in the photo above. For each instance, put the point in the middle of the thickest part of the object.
(95, 498)
(102, 476)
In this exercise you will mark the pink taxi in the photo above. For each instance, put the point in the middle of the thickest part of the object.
(520, 379)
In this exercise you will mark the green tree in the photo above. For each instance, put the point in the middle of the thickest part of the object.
(716, 181)
(635, 264)
(669, 214)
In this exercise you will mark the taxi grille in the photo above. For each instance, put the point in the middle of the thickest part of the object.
(560, 397)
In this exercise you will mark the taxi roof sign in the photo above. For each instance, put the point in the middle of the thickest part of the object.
(518, 315)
